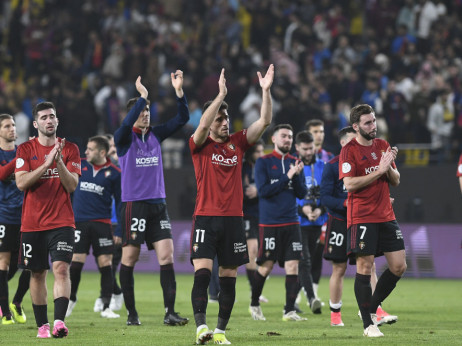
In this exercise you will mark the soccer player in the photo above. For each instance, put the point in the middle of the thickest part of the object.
(47, 170)
(250, 209)
(312, 214)
(316, 128)
(144, 215)
(459, 172)
(217, 226)
(117, 299)
(334, 198)
(367, 169)
(280, 180)
(11, 200)
(92, 203)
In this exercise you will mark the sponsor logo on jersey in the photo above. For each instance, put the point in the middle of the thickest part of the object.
(346, 167)
(364, 158)
(274, 181)
(274, 167)
(91, 187)
(34, 157)
(147, 161)
(76, 165)
(146, 158)
(369, 170)
(50, 173)
(222, 161)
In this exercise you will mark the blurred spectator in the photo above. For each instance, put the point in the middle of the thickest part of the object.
(440, 123)
(336, 52)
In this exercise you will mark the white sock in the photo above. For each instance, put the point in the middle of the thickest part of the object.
(315, 290)
(335, 305)
(202, 326)
(218, 331)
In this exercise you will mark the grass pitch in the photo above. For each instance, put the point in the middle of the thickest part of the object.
(429, 312)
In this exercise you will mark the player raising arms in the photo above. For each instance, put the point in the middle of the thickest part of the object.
(218, 226)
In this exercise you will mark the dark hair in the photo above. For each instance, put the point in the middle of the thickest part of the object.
(313, 123)
(132, 102)
(41, 106)
(109, 136)
(249, 153)
(4, 117)
(206, 105)
(359, 110)
(343, 132)
(303, 137)
(101, 142)
(282, 126)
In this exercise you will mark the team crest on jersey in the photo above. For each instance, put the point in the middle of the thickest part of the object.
(107, 174)
(329, 249)
(362, 245)
(267, 254)
(374, 156)
(195, 247)
(460, 168)
(133, 235)
(231, 146)
(26, 262)
(1, 242)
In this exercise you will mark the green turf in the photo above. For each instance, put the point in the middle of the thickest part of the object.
(429, 313)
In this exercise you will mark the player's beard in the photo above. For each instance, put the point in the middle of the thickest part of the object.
(367, 136)
(283, 149)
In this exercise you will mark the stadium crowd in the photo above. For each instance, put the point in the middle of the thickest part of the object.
(401, 57)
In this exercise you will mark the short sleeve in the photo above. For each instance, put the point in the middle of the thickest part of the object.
(347, 166)
(22, 159)
(73, 160)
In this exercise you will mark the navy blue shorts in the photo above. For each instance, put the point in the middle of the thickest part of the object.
(9, 238)
(279, 244)
(98, 235)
